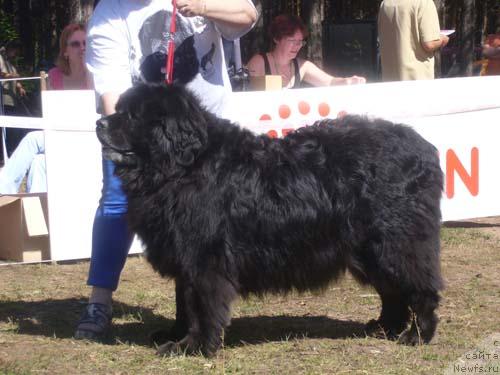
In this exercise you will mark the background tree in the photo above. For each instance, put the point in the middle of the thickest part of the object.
(38, 24)
(467, 34)
(313, 12)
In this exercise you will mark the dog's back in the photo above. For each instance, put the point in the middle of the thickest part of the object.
(326, 193)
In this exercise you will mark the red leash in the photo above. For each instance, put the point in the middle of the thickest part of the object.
(169, 68)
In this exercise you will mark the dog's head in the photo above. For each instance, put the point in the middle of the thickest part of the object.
(154, 126)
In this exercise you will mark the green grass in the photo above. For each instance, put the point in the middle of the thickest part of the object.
(294, 334)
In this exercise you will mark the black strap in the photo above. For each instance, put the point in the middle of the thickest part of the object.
(296, 84)
(267, 70)
(267, 67)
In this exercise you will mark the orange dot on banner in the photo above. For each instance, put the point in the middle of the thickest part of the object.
(265, 117)
(284, 111)
(341, 114)
(272, 134)
(324, 109)
(304, 108)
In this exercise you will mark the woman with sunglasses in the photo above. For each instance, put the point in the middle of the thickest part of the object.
(70, 72)
(288, 34)
(28, 158)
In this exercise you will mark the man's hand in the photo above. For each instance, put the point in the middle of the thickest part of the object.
(444, 40)
(8, 75)
(434, 45)
(21, 91)
(192, 8)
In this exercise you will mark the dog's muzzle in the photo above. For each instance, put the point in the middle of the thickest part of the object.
(102, 123)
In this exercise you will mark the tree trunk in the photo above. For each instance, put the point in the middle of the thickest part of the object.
(87, 9)
(493, 16)
(25, 27)
(80, 10)
(438, 65)
(312, 12)
(466, 33)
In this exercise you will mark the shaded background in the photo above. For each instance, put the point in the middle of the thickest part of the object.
(342, 32)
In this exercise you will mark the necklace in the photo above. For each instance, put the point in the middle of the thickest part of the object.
(286, 75)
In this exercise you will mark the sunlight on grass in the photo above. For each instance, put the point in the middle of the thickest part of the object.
(463, 236)
(309, 333)
(10, 325)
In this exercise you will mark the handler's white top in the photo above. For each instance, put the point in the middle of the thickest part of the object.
(123, 33)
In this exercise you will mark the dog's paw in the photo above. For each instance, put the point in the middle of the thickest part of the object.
(187, 346)
(372, 325)
(410, 337)
(377, 329)
(374, 329)
(169, 348)
(160, 336)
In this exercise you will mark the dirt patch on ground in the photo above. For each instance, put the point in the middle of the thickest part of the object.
(308, 333)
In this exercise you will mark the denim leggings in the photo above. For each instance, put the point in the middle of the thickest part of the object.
(111, 238)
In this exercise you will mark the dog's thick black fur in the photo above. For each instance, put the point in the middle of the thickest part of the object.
(225, 212)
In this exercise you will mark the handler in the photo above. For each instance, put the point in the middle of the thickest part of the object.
(125, 42)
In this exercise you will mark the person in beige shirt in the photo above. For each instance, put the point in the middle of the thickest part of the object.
(409, 34)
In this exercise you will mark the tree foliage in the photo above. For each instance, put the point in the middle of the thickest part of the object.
(38, 24)
(7, 30)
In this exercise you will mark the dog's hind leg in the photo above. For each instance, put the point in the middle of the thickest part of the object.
(424, 277)
(394, 317)
(424, 319)
(395, 313)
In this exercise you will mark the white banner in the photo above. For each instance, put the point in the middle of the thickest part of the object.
(459, 116)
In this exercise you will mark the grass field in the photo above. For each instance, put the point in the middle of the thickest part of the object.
(294, 334)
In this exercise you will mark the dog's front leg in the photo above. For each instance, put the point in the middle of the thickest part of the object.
(207, 304)
(181, 325)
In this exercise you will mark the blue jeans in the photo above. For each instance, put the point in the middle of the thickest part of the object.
(28, 157)
(111, 238)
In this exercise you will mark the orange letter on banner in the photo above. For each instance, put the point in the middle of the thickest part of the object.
(471, 180)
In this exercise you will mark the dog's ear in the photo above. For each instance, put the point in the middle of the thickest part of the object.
(186, 139)
(184, 127)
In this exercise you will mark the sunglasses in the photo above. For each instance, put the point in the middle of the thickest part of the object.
(77, 43)
(297, 42)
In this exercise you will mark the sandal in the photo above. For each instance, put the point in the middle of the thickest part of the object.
(95, 323)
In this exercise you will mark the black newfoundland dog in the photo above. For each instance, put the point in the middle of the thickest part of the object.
(225, 212)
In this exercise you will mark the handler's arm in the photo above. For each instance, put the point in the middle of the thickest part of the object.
(231, 14)
(107, 56)
(317, 77)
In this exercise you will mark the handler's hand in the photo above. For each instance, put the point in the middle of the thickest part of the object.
(355, 80)
(192, 8)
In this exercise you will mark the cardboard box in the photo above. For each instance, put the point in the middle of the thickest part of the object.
(266, 83)
(24, 233)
